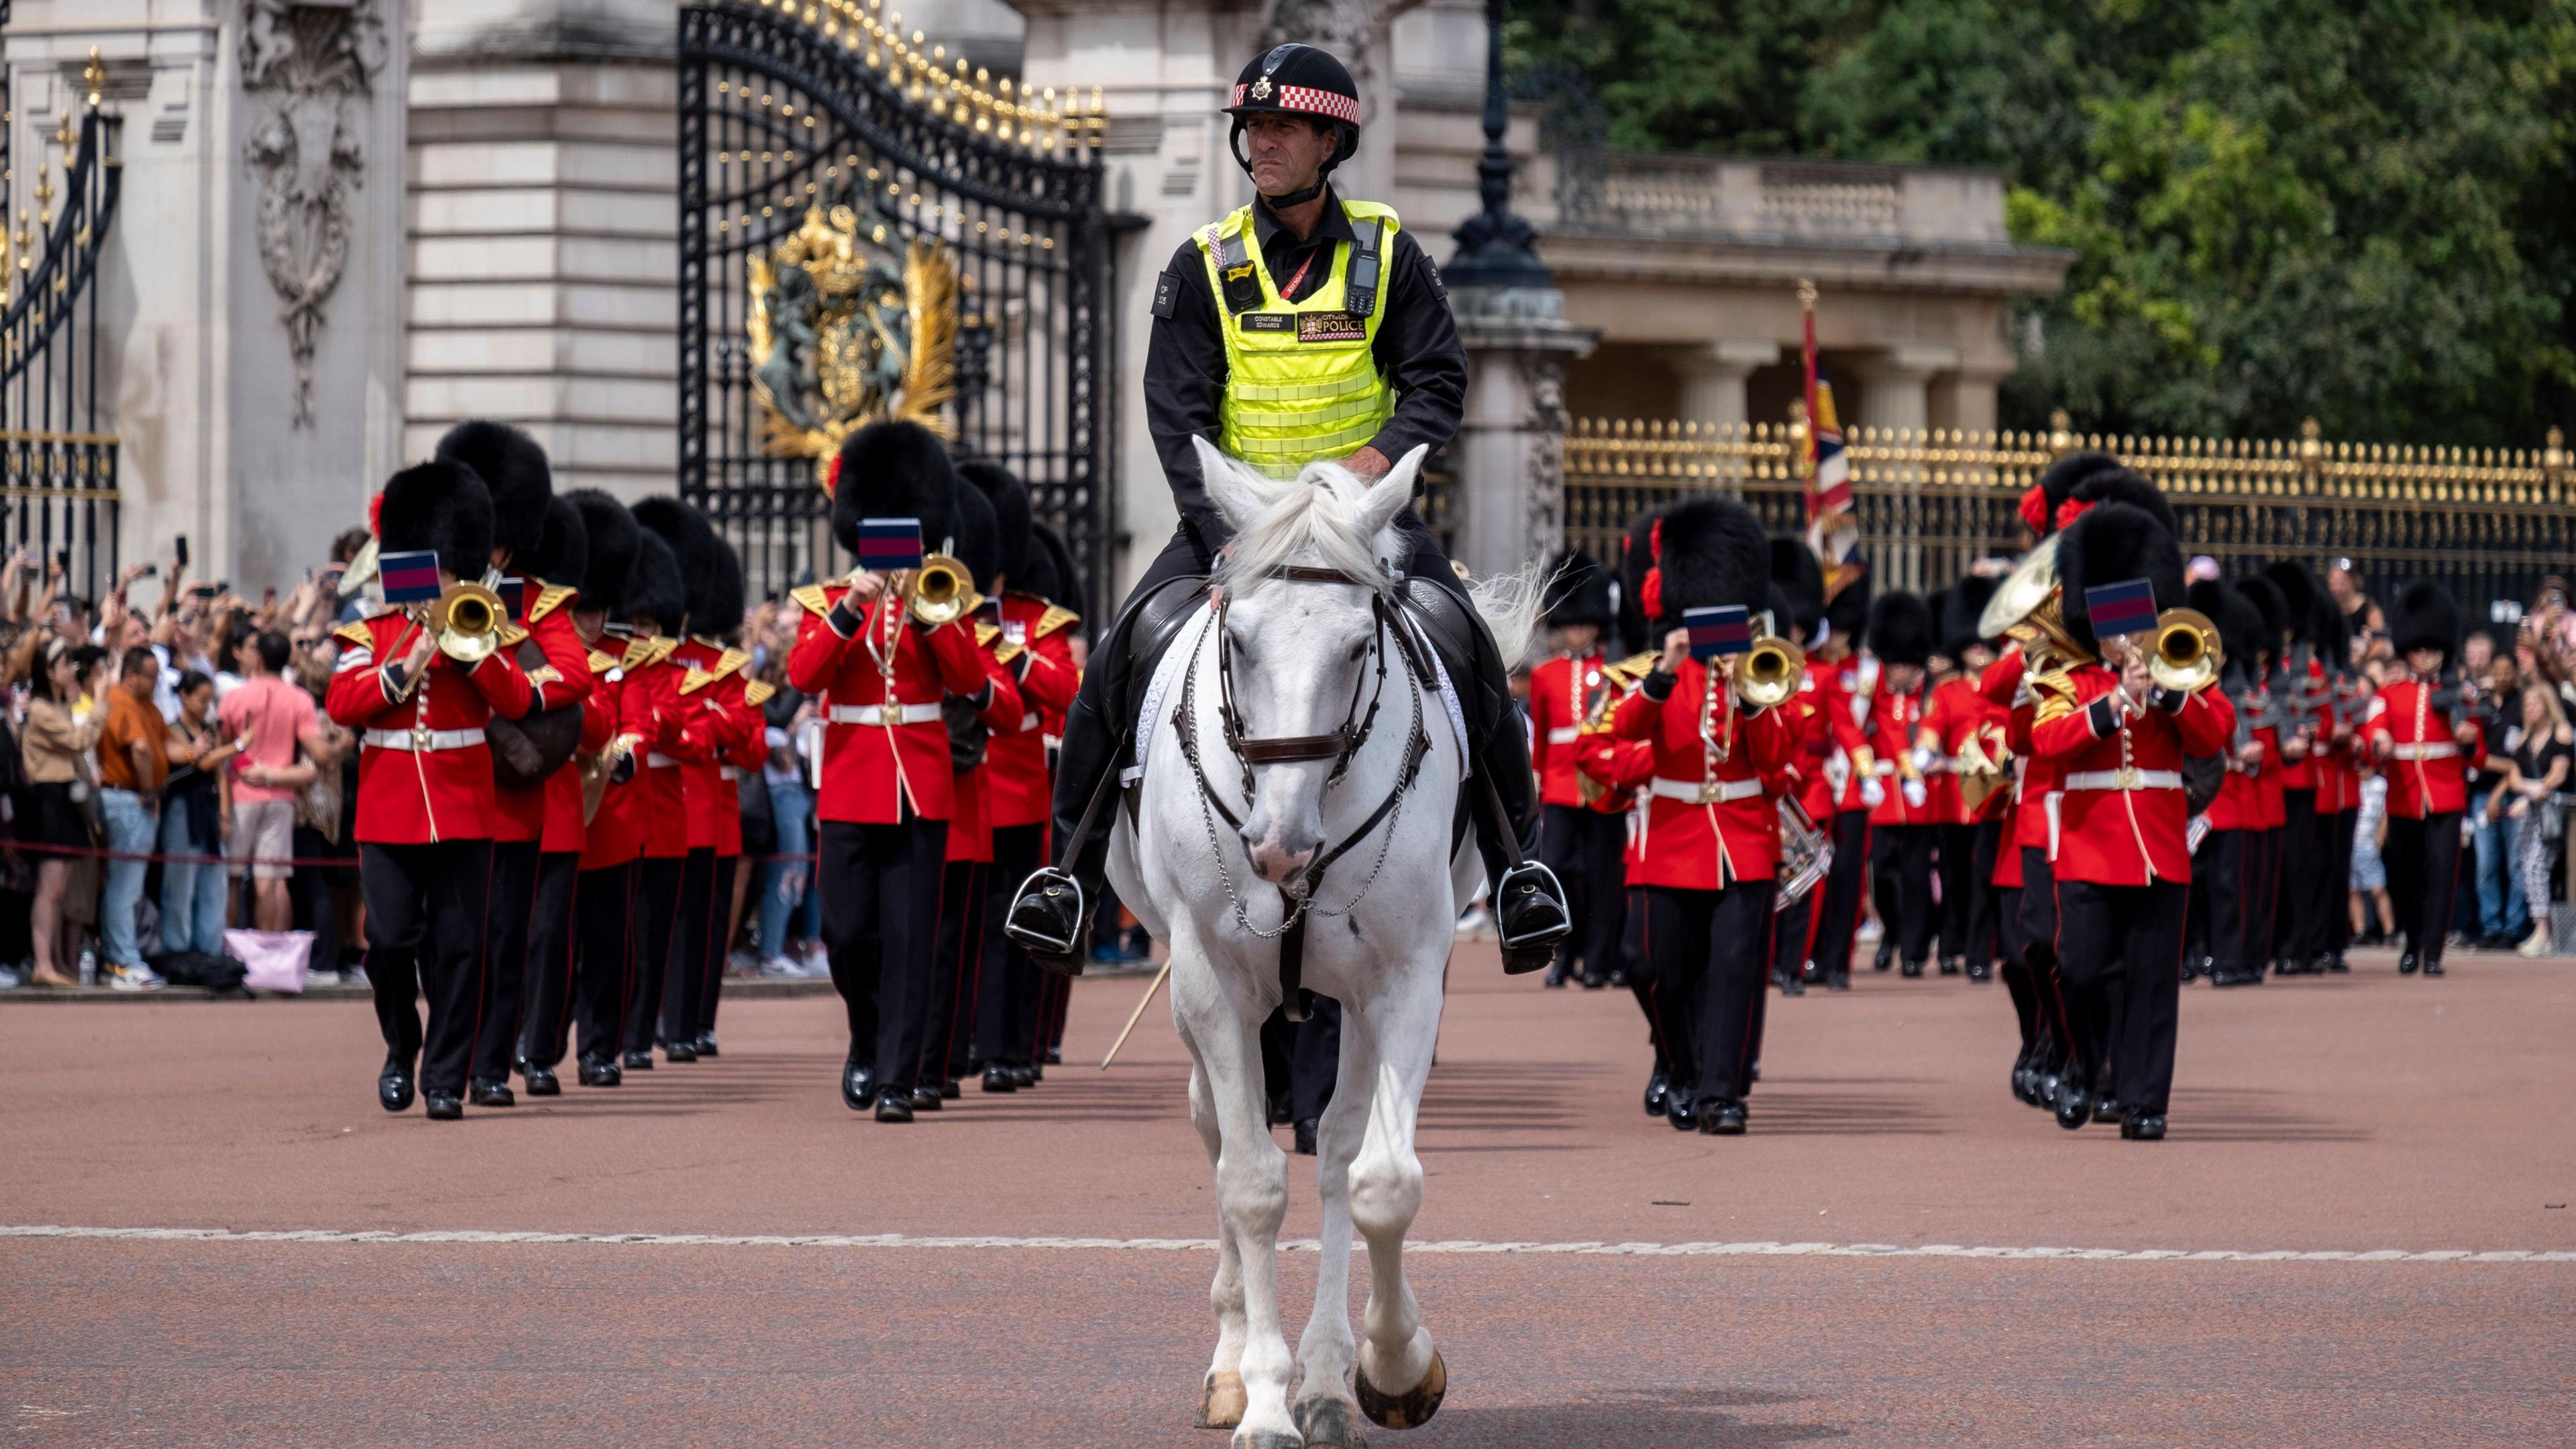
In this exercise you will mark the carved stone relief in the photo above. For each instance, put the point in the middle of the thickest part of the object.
(1544, 501)
(301, 64)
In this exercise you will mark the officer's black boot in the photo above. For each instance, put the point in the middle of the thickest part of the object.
(1051, 916)
(1530, 915)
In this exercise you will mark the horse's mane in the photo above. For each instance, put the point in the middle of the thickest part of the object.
(1313, 518)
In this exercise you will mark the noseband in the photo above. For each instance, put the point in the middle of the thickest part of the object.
(1337, 745)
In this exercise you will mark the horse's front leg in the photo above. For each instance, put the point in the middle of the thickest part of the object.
(1221, 1395)
(1401, 1379)
(1325, 1411)
(1252, 1196)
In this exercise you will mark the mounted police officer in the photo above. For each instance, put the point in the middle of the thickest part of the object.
(1302, 327)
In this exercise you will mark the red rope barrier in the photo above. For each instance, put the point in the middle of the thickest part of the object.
(322, 862)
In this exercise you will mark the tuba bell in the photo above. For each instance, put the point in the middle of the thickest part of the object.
(467, 618)
(2025, 606)
(1805, 854)
(1767, 674)
(941, 591)
(2187, 653)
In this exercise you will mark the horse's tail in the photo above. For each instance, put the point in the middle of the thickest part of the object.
(1508, 603)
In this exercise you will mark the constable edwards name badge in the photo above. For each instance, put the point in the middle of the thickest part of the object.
(1331, 327)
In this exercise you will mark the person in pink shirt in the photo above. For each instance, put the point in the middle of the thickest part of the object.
(273, 719)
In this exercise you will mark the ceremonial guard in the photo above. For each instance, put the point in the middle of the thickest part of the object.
(1583, 830)
(1620, 770)
(1798, 611)
(658, 620)
(2119, 730)
(1711, 837)
(526, 754)
(420, 685)
(2266, 806)
(881, 670)
(2338, 781)
(1846, 682)
(729, 722)
(616, 919)
(1903, 825)
(1028, 612)
(585, 865)
(1302, 327)
(2312, 879)
(2223, 940)
(1964, 758)
(2425, 746)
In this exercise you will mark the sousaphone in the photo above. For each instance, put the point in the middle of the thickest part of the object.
(2025, 606)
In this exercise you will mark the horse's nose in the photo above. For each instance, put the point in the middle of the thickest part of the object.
(1279, 862)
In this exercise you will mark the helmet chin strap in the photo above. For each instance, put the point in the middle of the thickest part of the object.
(1301, 195)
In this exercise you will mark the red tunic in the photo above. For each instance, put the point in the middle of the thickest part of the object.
(615, 835)
(2121, 816)
(2426, 765)
(564, 678)
(1710, 819)
(2023, 809)
(970, 830)
(1958, 714)
(1893, 720)
(714, 723)
(885, 749)
(1017, 790)
(424, 771)
(565, 829)
(1561, 692)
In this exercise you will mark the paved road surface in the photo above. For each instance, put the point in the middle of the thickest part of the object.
(2317, 1118)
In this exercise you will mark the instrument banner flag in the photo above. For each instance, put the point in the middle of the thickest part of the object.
(409, 578)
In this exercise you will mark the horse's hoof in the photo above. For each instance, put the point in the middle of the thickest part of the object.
(1408, 1410)
(1326, 1423)
(1221, 1401)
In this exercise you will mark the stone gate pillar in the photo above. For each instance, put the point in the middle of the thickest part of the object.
(1506, 502)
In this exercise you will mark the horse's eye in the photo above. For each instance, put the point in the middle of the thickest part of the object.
(1358, 648)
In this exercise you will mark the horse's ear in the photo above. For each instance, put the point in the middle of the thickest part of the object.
(1383, 499)
(1241, 496)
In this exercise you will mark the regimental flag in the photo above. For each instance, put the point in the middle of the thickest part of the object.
(1725, 629)
(886, 544)
(514, 597)
(2127, 607)
(409, 578)
(1833, 529)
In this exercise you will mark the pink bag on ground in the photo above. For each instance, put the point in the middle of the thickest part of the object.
(277, 959)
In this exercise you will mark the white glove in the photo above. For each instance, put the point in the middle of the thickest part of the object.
(1924, 759)
(1915, 794)
(1872, 793)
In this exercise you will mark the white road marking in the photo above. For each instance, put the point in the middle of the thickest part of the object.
(906, 1241)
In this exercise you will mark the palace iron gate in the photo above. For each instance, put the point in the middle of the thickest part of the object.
(868, 229)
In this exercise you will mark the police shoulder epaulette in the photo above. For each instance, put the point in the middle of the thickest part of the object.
(355, 633)
(813, 598)
(601, 663)
(549, 599)
(1056, 617)
(512, 636)
(757, 692)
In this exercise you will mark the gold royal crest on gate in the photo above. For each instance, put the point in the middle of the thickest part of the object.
(846, 331)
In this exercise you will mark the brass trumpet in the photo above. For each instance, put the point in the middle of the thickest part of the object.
(467, 618)
(941, 591)
(1768, 673)
(2187, 653)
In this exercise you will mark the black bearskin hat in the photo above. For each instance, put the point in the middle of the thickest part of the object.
(1710, 552)
(1636, 556)
(1795, 569)
(2240, 626)
(1784, 613)
(2127, 485)
(1066, 588)
(441, 506)
(610, 531)
(894, 470)
(562, 554)
(1848, 611)
(977, 542)
(2333, 633)
(693, 545)
(1962, 605)
(716, 612)
(1010, 499)
(2271, 609)
(2300, 591)
(654, 588)
(1578, 591)
(514, 468)
(2426, 617)
(2110, 544)
(1037, 576)
(2056, 484)
(1900, 628)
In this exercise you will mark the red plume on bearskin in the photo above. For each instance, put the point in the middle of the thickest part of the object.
(1708, 552)
(2039, 504)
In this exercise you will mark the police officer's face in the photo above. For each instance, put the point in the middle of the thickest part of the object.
(1287, 152)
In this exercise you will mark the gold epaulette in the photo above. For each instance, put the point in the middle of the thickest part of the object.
(758, 692)
(512, 636)
(985, 634)
(1056, 617)
(1629, 671)
(812, 598)
(663, 648)
(639, 652)
(357, 633)
(602, 663)
(2056, 690)
(695, 680)
(549, 599)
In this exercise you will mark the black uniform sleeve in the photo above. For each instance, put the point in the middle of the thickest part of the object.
(1185, 375)
(1418, 351)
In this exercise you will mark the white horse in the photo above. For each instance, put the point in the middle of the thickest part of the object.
(1304, 657)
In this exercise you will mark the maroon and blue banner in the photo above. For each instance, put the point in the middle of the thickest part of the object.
(514, 597)
(889, 543)
(1726, 629)
(2127, 607)
(409, 578)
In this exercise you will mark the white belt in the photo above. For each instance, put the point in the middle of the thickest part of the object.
(728, 772)
(422, 739)
(1562, 735)
(2436, 750)
(875, 714)
(1689, 789)
(1028, 721)
(2129, 779)
(659, 762)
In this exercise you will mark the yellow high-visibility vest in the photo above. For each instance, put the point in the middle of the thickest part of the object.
(1301, 383)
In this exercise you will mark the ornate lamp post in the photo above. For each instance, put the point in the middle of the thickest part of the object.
(1495, 247)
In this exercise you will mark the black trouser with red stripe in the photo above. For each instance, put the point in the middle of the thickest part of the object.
(2119, 948)
(2341, 826)
(2310, 878)
(1641, 973)
(956, 971)
(1709, 949)
(720, 883)
(1837, 916)
(880, 886)
(1006, 1004)
(648, 954)
(686, 961)
(426, 926)
(2262, 898)
(2220, 872)
(2423, 858)
(553, 954)
(603, 963)
(1968, 907)
(2036, 923)
(1901, 871)
(505, 954)
(1586, 848)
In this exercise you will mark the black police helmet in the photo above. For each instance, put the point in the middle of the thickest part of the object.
(1297, 79)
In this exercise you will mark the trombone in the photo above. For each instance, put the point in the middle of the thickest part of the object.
(1768, 673)
(941, 591)
(2187, 654)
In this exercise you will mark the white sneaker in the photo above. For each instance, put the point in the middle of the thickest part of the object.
(354, 976)
(2535, 944)
(10, 980)
(133, 978)
(1868, 934)
(1476, 924)
(782, 968)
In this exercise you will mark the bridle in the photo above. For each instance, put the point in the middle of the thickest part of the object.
(1339, 745)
